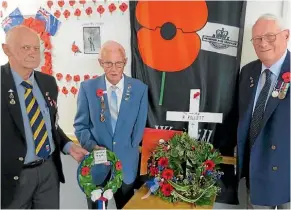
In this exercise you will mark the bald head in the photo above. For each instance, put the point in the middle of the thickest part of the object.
(113, 60)
(14, 34)
(22, 48)
(112, 47)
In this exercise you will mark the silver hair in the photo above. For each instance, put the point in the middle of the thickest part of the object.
(279, 21)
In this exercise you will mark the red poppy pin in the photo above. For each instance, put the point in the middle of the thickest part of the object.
(99, 92)
(286, 77)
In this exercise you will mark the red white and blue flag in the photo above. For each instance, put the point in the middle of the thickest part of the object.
(13, 19)
(52, 24)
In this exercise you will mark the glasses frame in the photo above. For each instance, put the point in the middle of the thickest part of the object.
(115, 64)
(263, 37)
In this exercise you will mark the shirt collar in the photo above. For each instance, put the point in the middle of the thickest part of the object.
(276, 67)
(18, 79)
(119, 85)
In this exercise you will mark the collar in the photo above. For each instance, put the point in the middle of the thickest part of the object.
(18, 79)
(276, 67)
(119, 85)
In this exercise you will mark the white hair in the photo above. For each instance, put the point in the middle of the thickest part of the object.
(279, 21)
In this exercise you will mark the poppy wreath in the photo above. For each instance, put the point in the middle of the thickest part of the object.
(39, 27)
(85, 180)
(184, 169)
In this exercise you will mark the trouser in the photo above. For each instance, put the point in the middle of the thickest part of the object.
(38, 188)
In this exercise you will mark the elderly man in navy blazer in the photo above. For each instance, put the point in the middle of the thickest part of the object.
(264, 117)
(118, 122)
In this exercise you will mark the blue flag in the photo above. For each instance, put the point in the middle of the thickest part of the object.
(52, 24)
(13, 19)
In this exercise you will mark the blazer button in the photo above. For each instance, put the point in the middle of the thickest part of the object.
(20, 158)
(16, 178)
(275, 168)
(273, 147)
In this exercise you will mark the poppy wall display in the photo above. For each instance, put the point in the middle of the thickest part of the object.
(178, 46)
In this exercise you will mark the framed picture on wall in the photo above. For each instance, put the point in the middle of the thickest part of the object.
(92, 39)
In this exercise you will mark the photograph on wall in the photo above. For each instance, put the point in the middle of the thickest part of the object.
(92, 40)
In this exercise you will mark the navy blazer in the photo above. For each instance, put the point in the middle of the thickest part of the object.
(269, 168)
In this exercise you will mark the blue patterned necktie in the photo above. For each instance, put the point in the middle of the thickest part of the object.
(258, 113)
(36, 121)
(113, 107)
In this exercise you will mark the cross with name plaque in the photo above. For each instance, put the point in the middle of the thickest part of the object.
(194, 116)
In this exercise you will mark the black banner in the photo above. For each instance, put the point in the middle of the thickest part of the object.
(184, 45)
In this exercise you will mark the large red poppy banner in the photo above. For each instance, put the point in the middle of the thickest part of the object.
(178, 46)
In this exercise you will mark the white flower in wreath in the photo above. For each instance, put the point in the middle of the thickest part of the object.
(161, 141)
(96, 194)
(108, 194)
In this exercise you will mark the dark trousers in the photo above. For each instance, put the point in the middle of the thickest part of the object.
(38, 188)
(122, 196)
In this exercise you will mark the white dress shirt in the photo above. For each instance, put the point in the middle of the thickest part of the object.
(119, 91)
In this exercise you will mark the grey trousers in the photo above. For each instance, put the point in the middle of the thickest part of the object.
(39, 188)
(251, 206)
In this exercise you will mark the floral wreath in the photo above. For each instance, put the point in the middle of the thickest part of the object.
(184, 169)
(39, 27)
(85, 180)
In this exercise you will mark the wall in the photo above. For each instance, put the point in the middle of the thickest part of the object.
(64, 61)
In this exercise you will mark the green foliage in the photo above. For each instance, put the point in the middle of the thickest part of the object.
(196, 169)
(86, 182)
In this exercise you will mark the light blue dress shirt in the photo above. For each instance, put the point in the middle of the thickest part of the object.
(30, 154)
(275, 69)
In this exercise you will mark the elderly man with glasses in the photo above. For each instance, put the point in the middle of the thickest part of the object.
(264, 118)
(111, 113)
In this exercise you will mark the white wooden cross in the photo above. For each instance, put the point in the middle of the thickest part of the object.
(194, 116)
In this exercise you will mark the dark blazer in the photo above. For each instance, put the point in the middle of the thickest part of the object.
(13, 144)
(269, 168)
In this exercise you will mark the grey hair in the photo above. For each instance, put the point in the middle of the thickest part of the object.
(279, 21)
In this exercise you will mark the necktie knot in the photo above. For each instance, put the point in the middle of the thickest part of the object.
(26, 84)
(113, 88)
(268, 73)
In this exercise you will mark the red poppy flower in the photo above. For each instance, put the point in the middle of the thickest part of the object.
(50, 4)
(4, 4)
(61, 3)
(182, 19)
(154, 171)
(65, 90)
(77, 13)
(57, 14)
(68, 77)
(82, 2)
(118, 166)
(112, 7)
(100, 9)
(67, 13)
(163, 161)
(286, 77)
(86, 77)
(74, 90)
(72, 3)
(123, 7)
(95, 76)
(77, 78)
(209, 165)
(168, 174)
(167, 189)
(59, 76)
(99, 93)
(85, 171)
(89, 11)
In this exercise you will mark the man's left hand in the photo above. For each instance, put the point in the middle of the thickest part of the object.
(77, 152)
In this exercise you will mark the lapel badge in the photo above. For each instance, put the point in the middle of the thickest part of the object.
(283, 91)
(11, 95)
(275, 94)
(46, 93)
(252, 82)
(102, 118)
(12, 101)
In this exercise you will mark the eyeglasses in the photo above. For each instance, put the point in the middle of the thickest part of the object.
(267, 37)
(118, 64)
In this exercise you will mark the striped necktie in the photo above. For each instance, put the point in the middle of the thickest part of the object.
(113, 107)
(37, 123)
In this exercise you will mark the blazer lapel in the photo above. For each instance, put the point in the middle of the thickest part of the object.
(273, 102)
(102, 85)
(9, 89)
(250, 93)
(125, 103)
